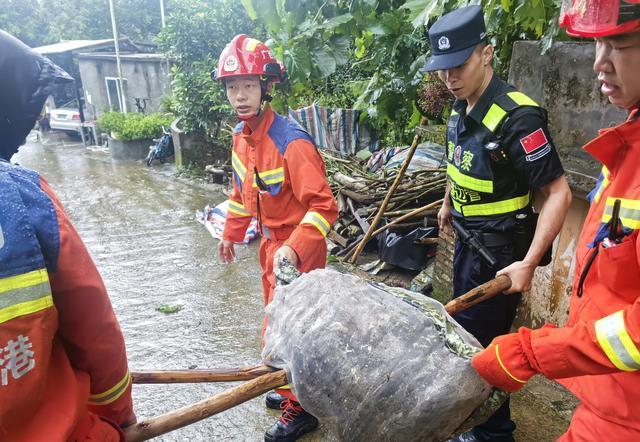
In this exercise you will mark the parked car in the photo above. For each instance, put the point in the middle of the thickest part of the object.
(66, 118)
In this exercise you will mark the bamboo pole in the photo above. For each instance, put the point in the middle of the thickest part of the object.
(190, 414)
(392, 190)
(408, 216)
(193, 376)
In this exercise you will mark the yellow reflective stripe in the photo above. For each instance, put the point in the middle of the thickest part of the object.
(111, 394)
(629, 212)
(485, 186)
(25, 280)
(284, 387)
(453, 112)
(603, 184)
(238, 209)
(505, 368)
(495, 208)
(237, 165)
(615, 341)
(24, 294)
(317, 220)
(493, 117)
(273, 176)
(25, 308)
(522, 99)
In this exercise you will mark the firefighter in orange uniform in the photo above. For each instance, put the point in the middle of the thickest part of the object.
(278, 177)
(63, 365)
(597, 354)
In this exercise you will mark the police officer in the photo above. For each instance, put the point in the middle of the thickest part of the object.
(498, 152)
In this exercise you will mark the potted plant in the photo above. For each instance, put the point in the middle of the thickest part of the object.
(131, 134)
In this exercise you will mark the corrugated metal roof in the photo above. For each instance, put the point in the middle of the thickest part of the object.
(70, 45)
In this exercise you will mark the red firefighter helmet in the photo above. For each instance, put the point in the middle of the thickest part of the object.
(600, 18)
(247, 56)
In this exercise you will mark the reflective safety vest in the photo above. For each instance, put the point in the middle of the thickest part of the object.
(474, 191)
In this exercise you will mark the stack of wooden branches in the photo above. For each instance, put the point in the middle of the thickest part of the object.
(359, 194)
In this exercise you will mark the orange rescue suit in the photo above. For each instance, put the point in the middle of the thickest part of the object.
(597, 354)
(63, 363)
(290, 195)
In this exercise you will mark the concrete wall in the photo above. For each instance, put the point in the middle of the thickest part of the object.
(146, 77)
(195, 149)
(563, 82)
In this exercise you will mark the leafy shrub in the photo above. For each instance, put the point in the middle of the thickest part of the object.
(110, 121)
(134, 126)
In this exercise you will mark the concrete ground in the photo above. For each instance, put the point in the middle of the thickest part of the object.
(542, 411)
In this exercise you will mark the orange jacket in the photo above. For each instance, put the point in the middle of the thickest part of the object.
(296, 198)
(602, 336)
(62, 353)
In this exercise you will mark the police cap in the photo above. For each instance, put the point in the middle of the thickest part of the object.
(453, 38)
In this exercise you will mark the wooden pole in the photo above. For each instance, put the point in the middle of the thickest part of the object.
(408, 216)
(479, 294)
(193, 376)
(181, 417)
(392, 190)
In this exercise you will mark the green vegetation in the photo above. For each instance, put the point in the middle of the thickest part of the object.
(40, 22)
(382, 44)
(168, 309)
(134, 126)
(196, 33)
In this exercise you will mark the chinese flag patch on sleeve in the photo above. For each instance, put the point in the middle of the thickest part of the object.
(534, 141)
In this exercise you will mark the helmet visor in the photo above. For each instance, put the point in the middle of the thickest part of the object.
(597, 17)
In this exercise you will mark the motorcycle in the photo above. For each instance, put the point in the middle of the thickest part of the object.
(162, 150)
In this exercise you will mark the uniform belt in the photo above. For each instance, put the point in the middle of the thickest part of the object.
(277, 233)
(494, 239)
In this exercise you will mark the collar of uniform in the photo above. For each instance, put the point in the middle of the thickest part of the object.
(486, 99)
(612, 144)
(254, 137)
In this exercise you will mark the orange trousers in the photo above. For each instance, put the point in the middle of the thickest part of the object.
(94, 428)
(268, 249)
(586, 426)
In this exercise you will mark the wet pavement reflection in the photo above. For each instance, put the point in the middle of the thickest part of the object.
(139, 226)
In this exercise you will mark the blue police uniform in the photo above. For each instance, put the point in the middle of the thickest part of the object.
(496, 155)
(491, 196)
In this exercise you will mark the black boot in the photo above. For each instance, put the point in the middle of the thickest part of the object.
(476, 435)
(293, 423)
(275, 400)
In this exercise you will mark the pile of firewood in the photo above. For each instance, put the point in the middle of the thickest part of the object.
(360, 194)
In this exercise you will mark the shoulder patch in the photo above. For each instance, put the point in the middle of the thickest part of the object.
(534, 141)
(284, 130)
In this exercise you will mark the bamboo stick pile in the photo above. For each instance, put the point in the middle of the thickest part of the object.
(360, 193)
